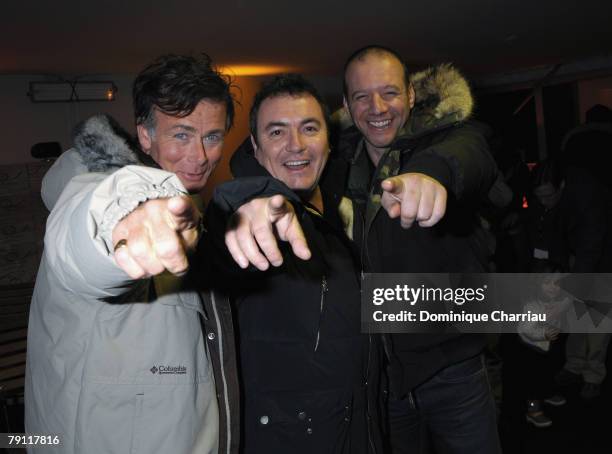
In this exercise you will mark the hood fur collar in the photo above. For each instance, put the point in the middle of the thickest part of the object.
(104, 145)
(443, 97)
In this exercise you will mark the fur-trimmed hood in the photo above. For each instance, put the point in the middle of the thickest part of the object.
(443, 97)
(101, 145)
(104, 145)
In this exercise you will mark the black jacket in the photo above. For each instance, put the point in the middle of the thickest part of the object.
(437, 141)
(306, 368)
(577, 227)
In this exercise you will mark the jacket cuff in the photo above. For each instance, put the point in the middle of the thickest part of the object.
(433, 166)
(133, 189)
(233, 194)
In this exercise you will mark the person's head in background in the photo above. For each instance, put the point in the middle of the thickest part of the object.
(547, 183)
(550, 287)
(599, 114)
(183, 108)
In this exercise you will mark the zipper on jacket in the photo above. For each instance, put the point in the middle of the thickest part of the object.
(221, 349)
(411, 400)
(322, 303)
(367, 397)
(363, 250)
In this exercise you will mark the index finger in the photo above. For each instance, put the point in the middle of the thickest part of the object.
(277, 207)
(184, 213)
(394, 186)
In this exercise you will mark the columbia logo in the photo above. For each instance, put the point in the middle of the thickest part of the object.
(169, 370)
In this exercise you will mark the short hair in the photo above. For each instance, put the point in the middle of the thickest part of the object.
(599, 114)
(176, 84)
(285, 85)
(363, 52)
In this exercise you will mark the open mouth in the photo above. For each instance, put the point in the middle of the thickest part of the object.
(192, 176)
(381, 124)
(297, 165)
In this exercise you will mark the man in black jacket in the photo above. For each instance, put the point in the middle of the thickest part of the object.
(413, 154)
(307, 371)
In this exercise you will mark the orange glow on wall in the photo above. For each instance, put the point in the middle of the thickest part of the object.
(255, 70)
(249, 86)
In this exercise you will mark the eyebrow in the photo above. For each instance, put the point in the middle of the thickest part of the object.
(184, 128)
(274, 124)
(311, 120)
(215, 131)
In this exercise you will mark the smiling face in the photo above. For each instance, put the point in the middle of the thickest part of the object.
(189, 146)
(378, 99)
(292, 142)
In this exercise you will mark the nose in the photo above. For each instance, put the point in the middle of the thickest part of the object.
(295, 142)
(197, 153)
(377, 104)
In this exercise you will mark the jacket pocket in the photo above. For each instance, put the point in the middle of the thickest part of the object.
(147, 344)
(138, 419)
(108, 419)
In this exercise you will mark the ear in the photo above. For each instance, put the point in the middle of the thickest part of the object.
(255, 147)
(411, 96)
(345, 104)
(144, 138)
(347, 119)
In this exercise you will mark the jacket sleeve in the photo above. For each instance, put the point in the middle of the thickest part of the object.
(78, 243)
(460, 161)
(231, 195)
(228, 197)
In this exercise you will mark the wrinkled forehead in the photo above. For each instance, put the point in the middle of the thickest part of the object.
(209, 112)
(374, 70)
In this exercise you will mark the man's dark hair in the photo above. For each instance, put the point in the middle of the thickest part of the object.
(175, 84)
(283, 85)
(599, 114)
(363, 52)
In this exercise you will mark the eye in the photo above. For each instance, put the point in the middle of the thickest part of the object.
(389, 94)
(213, 138)
(360, 97)
(275, 133)
(311, 129)
(181, 136)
